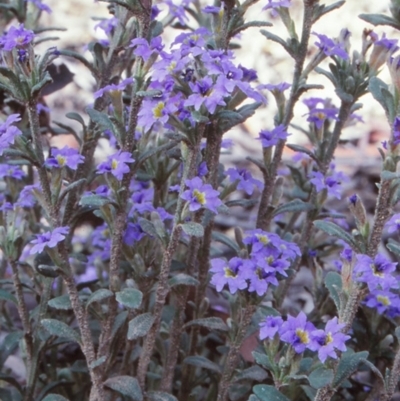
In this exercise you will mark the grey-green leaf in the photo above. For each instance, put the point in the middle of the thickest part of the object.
(211, 323)
(101, 119)
(182, 279)
(60, 329)
(348, 364)
(320, 377)
(253, 373)
(126, 385)
(98, 296)
(160, 396)
(268, 393)
(140, 326)
(262, 359)
(54, 397)
(394, 247)
(148, 227)
(193, 229)
(333, 283)
(202, 362)
(295, 205)
(336, 231)
(6, 296)
(94, 201)
(63, 302)
(380, 19)
(225, 240)
(129, 297)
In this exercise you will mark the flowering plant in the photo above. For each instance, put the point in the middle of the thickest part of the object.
(125, 272)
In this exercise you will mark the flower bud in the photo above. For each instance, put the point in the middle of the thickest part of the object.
(381, 51)
(394, 69)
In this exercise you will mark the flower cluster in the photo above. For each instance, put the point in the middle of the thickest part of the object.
(302, 334)
(269, 259)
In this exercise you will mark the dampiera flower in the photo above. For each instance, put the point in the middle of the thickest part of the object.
(245, 180)
(271, 138)
(116, 164)
(270, 326)
(9, 132)
(65, 157)
(9, 170)
(297, 332)
(330, 340)
(39, 4)
(201, 195)
(113, 87)
(49, 239)
(17, 38)
(382, 301)
(330, 47)
(393, 224)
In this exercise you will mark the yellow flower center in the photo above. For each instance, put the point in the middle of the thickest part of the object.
(114, 164)
(229, 272)
(328, 338)
(263, 239)
(303, 336)
(321, 115)
(172, 66)
(383, 300)
(158, 110)
(200, 196)
(61, 160)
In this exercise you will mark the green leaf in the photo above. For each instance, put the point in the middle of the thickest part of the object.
(217, 236)
(277, 39)
(60, 329)
(394, 247)
(98, 296)
(320, 377)
(129, 297)
(380, 19)
(211, 323)
(183, 279)
(140, 326)
(6, 296)
(119, 322)
(160, 396)
(126, 385)
(94, 201)
(193, 229)
(253, 373)
(295, 205)
(101, 119)
(54, 397)
(98, 362)
(333, 282)
(149, 93)
(301, 149)
(263, 360)
(381, 94)
(76, 117)
(309, 392)
(202, 362)
(348, 364)
(148, 227)
(336, 231)
(63, 302)
(268, 393)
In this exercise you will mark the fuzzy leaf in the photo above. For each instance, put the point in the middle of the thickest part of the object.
(193, 229)
(160, 396)
(129, 297)
(295, 205)
(320, 377)
(336, 231)
(380, 19)
(216, 236)
(268, 393)
(262, 360)
(6, 296)
(182, 279)
(394, 247)
(60, 329)
(126, 385)
(98, 362)
(253, 373)
(202, 362)
(54, 397)
(148, 227)
(333, 283)
(98, 296)
(63, 302)
(211, 323)
(348, 364)
(101, 119)
(76, 117)
(140, 326)
(94, 201)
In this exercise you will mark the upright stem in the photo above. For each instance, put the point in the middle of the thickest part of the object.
(263, 218)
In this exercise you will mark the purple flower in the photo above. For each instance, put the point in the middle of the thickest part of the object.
(233, 273)
(9, 170)
(113, 87)
(330, 339)
(376, 273)
(201, 195)
(297, 332)
(329, 47)
(270, 326)
(143, 49)
(178, 12)
(271, 138)
(382, 301)
(382, 50)
(116, 164)
(396, 131)
(133, 234)
(276, 4)
(40, 5)
(17, 38)
(245, 180)
(331, 183)
(49, 239)
(278, 88)
(8, 132)
(393, 224)
(27, 196)
(107, 25)
(65, 157)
